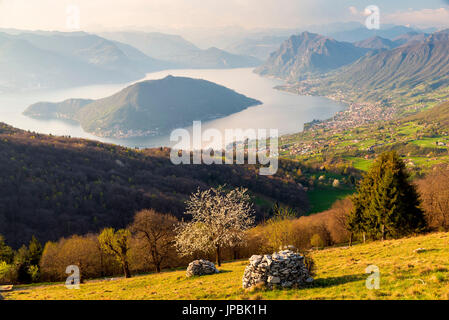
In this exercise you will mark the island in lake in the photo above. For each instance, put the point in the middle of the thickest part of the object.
(147, 108)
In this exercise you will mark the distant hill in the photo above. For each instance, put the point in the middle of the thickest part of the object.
(376, 42)
(149, 107)
(410, 37)
(95, 50)
(24, 66)
(54, 186)
(154, 44)
(66, 109)
(260, 48)
(57, 59)
(309, 53)
(362, 33)
(180, 52)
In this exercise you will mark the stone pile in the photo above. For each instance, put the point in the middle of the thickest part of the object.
(285, 268)
(201, 268)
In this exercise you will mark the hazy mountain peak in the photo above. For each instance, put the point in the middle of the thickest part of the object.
(308, 53)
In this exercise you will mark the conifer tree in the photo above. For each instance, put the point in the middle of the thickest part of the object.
(34, 251)
(386, 203)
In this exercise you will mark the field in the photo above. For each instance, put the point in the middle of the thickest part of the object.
(321, 199)
(404, 274)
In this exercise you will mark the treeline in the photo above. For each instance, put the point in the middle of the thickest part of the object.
(54, 187)
(387, 205)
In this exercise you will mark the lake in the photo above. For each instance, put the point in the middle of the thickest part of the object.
(280, 110)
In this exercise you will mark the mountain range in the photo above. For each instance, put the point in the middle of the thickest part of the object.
(362, 33)
(148, 108)
(415, 65)
(47, 60)
(180, 52)
(366, 67)
(262, 43)
(55, 59)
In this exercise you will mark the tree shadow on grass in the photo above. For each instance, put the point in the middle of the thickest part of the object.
(209, 275)
(426, 250)
(225, 271)
(336, 281)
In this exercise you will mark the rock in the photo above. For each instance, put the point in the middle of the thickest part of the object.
(274, 280)
(201, 268)
(255, 260)
(285, 268)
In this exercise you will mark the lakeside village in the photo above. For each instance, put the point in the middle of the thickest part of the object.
(357, 114)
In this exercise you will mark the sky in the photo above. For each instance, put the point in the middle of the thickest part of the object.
(100, 15)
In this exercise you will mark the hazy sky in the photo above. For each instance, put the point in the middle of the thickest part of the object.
(116, 14)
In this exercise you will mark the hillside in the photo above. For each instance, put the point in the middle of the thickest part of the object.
(307, 54)
(438, 116)
(55, 186)
(150, 107)
(404, 274)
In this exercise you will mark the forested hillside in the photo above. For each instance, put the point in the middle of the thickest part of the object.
(55, 186)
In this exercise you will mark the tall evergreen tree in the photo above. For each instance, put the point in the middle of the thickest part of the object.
(34, 252)
(386, 203)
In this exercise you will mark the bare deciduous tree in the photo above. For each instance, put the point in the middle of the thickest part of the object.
(434, 191)
(219, 220)
(157, 232)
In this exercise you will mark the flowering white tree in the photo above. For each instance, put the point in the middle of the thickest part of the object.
(219, 220)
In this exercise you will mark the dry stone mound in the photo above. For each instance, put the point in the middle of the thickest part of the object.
(285, 268)
(201, 268)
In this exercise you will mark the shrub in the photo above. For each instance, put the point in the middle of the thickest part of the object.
(316, 241)
(34, 273)
(8, 273)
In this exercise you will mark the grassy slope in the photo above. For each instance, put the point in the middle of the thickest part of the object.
(405, 274)
(322, 199)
